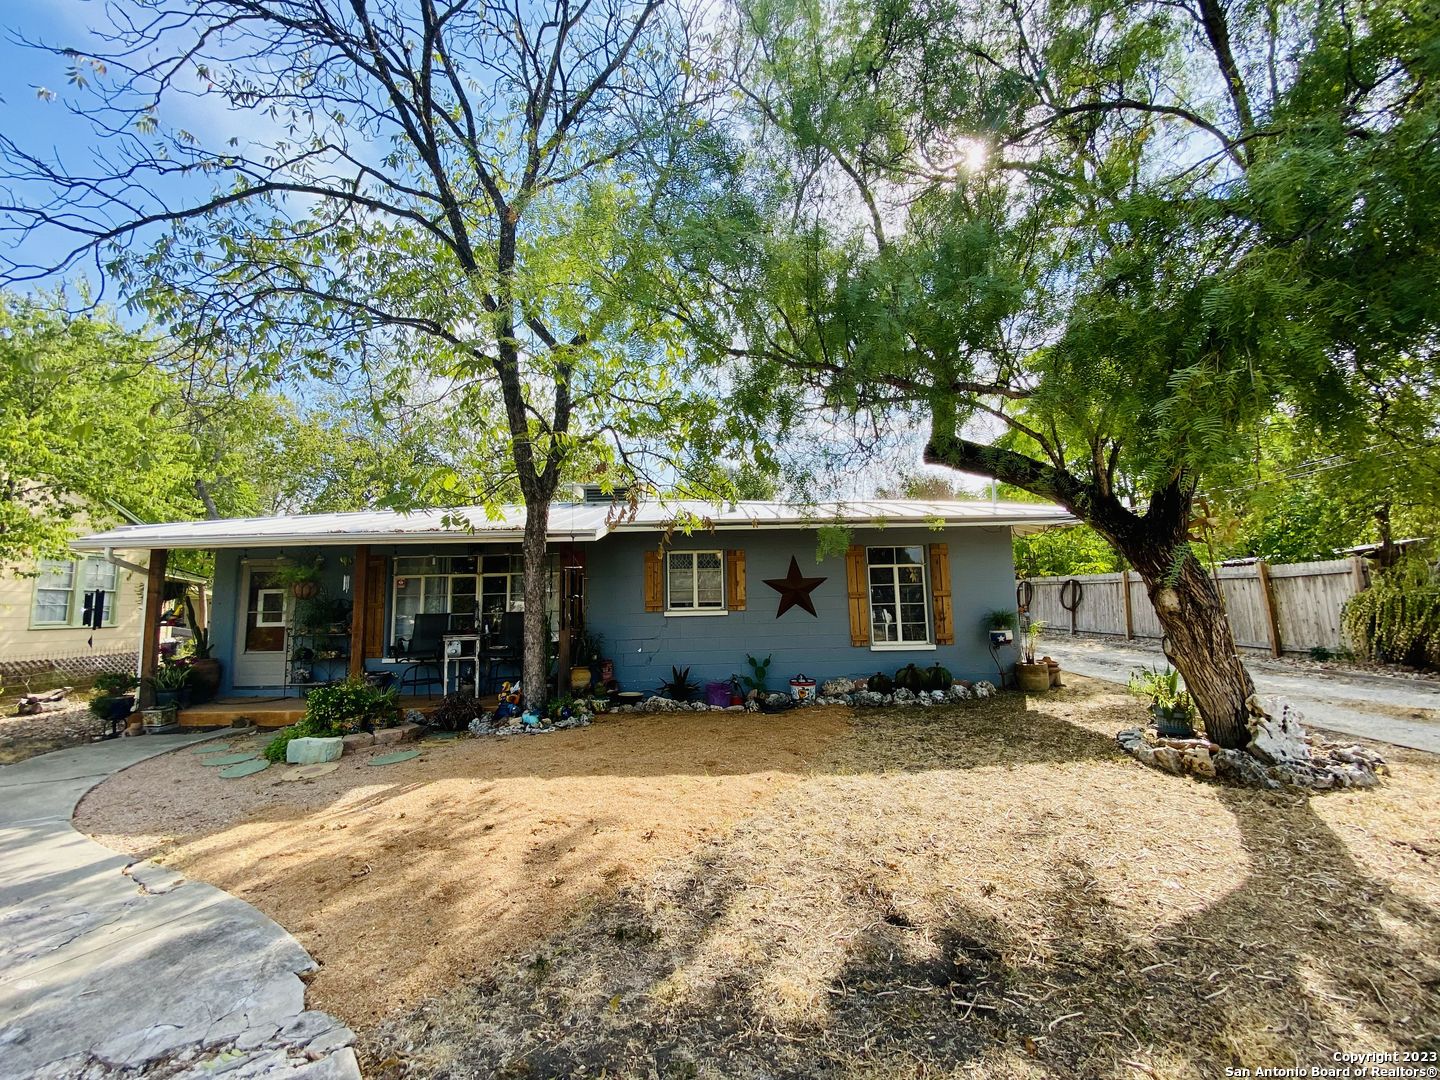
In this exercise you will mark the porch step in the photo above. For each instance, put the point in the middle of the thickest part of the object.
(271, 713)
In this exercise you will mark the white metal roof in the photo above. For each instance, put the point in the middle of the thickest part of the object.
(568, 521)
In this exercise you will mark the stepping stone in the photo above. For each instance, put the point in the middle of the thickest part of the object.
(244, 768)
(229, 759)
(211, 748)
(309, 772)
(391, 759)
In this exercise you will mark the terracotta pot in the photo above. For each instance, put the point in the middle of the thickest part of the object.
(1033, 678)
(204, 678)
(579, 678)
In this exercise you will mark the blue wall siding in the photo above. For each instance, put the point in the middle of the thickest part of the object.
(644, 644)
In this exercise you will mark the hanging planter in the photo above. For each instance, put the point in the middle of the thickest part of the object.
(303, 578)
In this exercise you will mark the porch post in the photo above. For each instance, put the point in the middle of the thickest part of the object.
(359, 609)
(150, 623)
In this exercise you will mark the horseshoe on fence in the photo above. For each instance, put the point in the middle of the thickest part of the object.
(1024, 594)
(1071, 593)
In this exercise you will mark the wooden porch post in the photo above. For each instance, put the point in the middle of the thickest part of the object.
(359, 609)
(150, 623)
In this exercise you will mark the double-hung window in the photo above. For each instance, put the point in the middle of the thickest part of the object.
(899, 615)
(694, 582)
(61, 587)
(474, 589)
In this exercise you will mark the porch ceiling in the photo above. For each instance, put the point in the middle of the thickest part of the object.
(569, 522)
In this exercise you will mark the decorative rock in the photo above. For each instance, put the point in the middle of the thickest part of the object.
(984, 689)
(1197, 761)
(903, 696)
(407, 732)
(1167, 758)
(358, 741)
(1276, 734)
(960, 692)
(311, 751)
(414, 716)
(308, 772)
(832, 688)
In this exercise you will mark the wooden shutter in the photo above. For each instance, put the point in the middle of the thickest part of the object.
(377, 580)
(940, 594)
(858, 585)
(735, 579)
(654, 582)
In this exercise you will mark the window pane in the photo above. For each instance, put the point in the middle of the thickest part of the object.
(882, 596)
(411, 566)
(495, 564)
(913, 632)
(912, 555)
(682, 580)
(911, 575)
(55, 574)
(882, 556)
(462, 586)
(97, 574)
(879, 575)
(912, 594)
(437, 595)
(407, 603)
(52, 606)
(463, 564)
(709, 579)
(112, 611)
(494, 596)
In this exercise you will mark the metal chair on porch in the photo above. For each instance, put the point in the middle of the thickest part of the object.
(507, 650)
(425, 651)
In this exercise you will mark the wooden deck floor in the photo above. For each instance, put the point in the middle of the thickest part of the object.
(274, 712)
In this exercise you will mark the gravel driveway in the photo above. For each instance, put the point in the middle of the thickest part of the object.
(1401, 711)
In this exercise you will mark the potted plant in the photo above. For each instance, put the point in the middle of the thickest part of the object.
(168, 684)
(1032, 677)
(1170, 704)
(999, 627)
(204, 668)
(303, 579)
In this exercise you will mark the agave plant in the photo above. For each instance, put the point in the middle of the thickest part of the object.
(679, 687)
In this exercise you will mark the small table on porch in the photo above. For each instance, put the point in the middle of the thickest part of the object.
(459, 650)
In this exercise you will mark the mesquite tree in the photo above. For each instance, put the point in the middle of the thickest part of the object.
(1092, 246)
(455, 186)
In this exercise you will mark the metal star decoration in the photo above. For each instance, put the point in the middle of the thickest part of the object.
(795, 589)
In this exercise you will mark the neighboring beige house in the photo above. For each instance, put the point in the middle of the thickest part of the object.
(43, 610)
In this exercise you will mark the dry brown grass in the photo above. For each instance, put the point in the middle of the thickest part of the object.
(402, 879)
(990, 889)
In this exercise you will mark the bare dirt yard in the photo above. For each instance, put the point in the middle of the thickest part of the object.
(24, 737)
(988, 889)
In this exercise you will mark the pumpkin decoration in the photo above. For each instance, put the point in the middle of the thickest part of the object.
(880, 683)
(910, 678)
(937, 678)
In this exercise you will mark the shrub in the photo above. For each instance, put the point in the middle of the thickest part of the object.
(115, 684)
(353, 705)
(275, 748)
(1397, 619)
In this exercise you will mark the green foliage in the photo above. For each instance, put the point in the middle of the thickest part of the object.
(115, 683)
(1162, 689)
(169, 677)
(759, 670)
(679, 686)
(352, 705)
(102, 704)
(1065, 553)
(275, 748)
(999, 619)
(1397, 619)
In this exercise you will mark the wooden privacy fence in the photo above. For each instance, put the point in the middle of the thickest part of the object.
(1286, 607)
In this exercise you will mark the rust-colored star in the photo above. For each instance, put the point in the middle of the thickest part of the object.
(795, 589)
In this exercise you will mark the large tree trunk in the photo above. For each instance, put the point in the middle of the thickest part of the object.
(535, 675)
(1197, 634)
(1198, 640)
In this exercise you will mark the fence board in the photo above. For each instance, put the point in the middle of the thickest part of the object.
(1307, 600)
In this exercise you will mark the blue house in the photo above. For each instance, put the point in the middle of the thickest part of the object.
(909, 581)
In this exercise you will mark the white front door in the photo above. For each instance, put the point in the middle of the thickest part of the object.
(264, 614)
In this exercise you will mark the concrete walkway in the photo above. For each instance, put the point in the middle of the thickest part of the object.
(1399, 711)
(108, 969)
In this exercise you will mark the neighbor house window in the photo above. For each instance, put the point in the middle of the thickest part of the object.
(694, 581)
(61, 586)
(898, 612)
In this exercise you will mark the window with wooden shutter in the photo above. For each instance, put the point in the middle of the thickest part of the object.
(940, 594)
(858, 590)
(654, 581)
(735, 579)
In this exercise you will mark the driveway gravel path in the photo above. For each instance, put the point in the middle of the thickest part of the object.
(1400, 711)
(111, 968)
